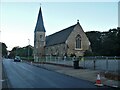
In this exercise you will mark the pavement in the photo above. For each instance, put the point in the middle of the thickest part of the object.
(85, 74)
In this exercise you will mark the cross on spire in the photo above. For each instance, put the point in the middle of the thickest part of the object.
(77, 20)
(40, 4)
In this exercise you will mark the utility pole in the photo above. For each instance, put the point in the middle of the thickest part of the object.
(28, 47)
(0, 62)
(0, 47)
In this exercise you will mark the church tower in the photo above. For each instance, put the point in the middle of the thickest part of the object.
(39, 38)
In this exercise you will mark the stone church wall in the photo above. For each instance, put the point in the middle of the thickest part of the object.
(55, 50)
(71, 42)
(69, 47)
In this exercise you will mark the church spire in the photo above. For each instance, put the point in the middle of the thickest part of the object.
(40, 24)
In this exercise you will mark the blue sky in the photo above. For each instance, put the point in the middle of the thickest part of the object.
(18, 19)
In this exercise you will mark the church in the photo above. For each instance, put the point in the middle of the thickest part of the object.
(69, 41)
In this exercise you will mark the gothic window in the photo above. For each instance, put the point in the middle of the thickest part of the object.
(78, 42)
(40, 36)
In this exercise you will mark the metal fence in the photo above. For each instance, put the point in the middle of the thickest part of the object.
(102, 63)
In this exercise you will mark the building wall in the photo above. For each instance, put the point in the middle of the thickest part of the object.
(69, 47)
(39, 44)
(56, 50)
(71, 42)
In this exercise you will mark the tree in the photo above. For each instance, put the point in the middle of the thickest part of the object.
(22, 51)
(13, 52)
(88, 53)
(110, 43)
(95, 39)
(4, 50)
(105, 43)
(118, 40)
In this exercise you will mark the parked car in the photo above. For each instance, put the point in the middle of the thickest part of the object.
(17, 59)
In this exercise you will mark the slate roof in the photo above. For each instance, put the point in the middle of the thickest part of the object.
(40, 24)
(59, 37)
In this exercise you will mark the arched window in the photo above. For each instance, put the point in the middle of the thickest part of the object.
(78, 42)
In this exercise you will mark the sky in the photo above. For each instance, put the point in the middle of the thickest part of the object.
(18, 18)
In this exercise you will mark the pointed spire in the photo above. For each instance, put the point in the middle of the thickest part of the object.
(40, 24)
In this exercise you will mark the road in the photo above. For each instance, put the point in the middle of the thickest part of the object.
(23, 75)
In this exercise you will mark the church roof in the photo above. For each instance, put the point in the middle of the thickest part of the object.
(59, 37)
(40, 24)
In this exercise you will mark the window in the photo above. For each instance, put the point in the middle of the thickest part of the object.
(40, 36)
(78, 42)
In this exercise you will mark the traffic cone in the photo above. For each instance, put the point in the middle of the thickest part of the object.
(98, 81)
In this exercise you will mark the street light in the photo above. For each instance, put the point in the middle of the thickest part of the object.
(0, 47)
(28, 47)
(0, 61)
(0, 35)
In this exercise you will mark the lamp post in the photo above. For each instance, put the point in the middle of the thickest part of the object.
(0, 35)
(28, 47)
(0, 47)
(0, 62)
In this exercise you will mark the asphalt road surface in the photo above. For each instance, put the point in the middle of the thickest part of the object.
(23, 75)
